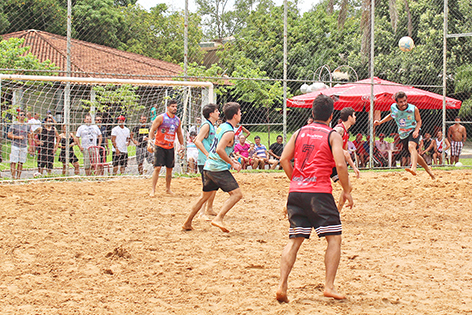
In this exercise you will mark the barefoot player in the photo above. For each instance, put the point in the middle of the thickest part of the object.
(408, 119)
(216, 172)
(164, 128)
(203, 142)
(316, 149)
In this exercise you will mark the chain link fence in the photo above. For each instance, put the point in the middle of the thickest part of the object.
(257, 53)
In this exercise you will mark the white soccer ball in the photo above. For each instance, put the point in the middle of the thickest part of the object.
(37, 174)
(406, 43)
(459, 164)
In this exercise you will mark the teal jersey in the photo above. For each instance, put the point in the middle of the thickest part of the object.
(405, 119)
(206, 142)
(214, 162)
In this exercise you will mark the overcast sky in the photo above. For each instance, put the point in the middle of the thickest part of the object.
(304, 5)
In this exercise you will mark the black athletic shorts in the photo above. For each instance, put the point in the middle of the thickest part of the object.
(120, 159)
(222, 179)
(405, 151)
(200, 169)
(164, 157)
(46, 159)
(312, 210)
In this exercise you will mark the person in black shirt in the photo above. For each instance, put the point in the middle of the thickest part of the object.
(275, 151)
(139, 136)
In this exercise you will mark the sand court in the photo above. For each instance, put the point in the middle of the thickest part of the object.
(107, 248)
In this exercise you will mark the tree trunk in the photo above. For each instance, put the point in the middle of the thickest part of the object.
(410, 23)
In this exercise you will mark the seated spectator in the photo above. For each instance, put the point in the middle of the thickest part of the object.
(262, 154)
(442, 145)
(382, 146)
(275, 151)
(241, 152)
(351, 148)
(254, 160)
(427, 148)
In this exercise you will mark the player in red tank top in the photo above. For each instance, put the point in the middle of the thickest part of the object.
(315, 148)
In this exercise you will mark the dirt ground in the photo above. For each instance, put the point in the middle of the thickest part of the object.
(107, 248)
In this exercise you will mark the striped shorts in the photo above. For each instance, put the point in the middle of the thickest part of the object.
(456, 148)
(312, 210)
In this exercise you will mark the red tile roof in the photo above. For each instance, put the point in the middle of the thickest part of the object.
(93, 59)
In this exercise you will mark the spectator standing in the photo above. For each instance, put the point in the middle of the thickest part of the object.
(100, 121)
(164, 129)
(241, 130)
(241, 152)
(456, 135)
(19, 134)
(35, 123)
(89, 135)
(62, 143)
(442, 145)
(275, 150)
(360, 151)
(139, 136)
(192, 154)
(46, 142)
(196, 128)
(120, 136)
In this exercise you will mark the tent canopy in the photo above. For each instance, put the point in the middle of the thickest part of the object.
(357, 96)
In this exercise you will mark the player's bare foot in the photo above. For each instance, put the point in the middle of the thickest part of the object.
(411, 171)
(210, 212)
(152, 194)
(187, 227)
(332, 293)
(169, 192)
(281, 296)
(430, 173)
(219, 224)
(203, 216)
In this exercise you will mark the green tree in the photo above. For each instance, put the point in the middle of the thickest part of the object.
(122, 99)
(100, 22)
(45, 15)
(160, 33)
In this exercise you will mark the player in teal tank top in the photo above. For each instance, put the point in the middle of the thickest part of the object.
(215, 172)
(408, 120)
(214, 162)
(203, 142)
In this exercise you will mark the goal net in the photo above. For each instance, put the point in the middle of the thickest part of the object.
(55, 108)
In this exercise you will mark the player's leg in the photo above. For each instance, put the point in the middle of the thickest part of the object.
(155, 177)
(195, 208)
(13, 170)
(234, 197)
(332, 257)
(159, 161)
(19, 170)
(209, 206)
(289, 256)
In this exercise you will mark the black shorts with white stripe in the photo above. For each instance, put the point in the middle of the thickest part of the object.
(312, 210)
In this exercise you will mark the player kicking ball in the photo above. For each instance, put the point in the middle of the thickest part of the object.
(316, 149)
(408, 119)
(216, 173)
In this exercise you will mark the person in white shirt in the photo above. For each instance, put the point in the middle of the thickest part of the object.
(89, 135)
(34, 123)
(120, 136)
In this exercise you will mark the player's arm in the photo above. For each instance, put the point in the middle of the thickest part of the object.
(287, 156)
(464, 135)
(203, 134)
(448, 144)
(180, 134)
(336, 146)
(418, 123)
(384, 120)
(247, 132)
(224, 142)
(155, 124)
